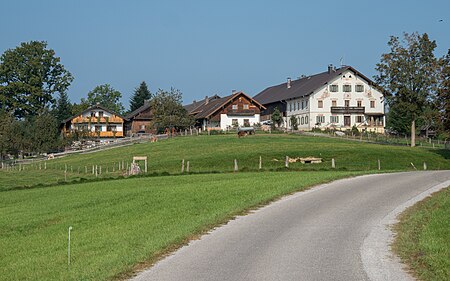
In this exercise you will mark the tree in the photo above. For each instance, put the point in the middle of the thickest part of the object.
(169, 112)
(106, 96)
(63, 108)
(6, 123)
(294, 123)
(44, 132)
(443, 96)
(30, 75)
(276, 117)
(408, 74)
(140, 95)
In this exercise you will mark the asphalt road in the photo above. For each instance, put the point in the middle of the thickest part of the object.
(312, 235)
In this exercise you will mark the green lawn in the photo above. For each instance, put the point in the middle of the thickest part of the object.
(209, 154)
(423, 237)
(123, 223)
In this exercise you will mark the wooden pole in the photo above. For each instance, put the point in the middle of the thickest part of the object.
(333, 164)
(379, 165)
(235, 165)
(260, 162)
(424, 165)
(187, 167)
(182, 166)
(286, 162)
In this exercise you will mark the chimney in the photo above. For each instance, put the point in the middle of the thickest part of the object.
(330, 68)
(206, 100)
(289, 82)
(233, 91)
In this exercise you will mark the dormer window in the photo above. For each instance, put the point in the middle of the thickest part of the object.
(234, 107)
(100, 114)
(245, 106)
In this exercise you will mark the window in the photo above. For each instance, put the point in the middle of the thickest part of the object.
(92, 113)
(359, 119)
(347, 88)
(234, 106)
(142, 127)
(347, 103)
(333, 103)
(334, 119)
(334, 88)
(98, 128)
(303, 120)
(245, 106)
(246, 122)
(306, 119)
(306, 104)
(298, 105)
(290, 106)
(320, 119)
(359, 88)
(372, 104)
(234, 122)
(303, 105)
(320, 104)
(100, 114)
(359, 103)
(113, 128)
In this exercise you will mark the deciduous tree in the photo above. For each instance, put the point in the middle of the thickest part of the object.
(408, 74)
(30, 76)
(106, 96)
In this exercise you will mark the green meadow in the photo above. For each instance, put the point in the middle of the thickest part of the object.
(216, 154)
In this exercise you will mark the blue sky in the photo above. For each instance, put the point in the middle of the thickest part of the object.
(212, 47)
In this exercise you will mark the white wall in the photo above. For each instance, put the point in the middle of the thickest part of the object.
(326, 96)
(226, 120)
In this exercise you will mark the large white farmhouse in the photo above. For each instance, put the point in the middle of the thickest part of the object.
(339, 98)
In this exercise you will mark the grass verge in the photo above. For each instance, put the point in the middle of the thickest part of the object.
(423, 237)
(122, 225)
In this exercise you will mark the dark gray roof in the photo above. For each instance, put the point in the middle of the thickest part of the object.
(135, 112)
(303, 86)
(195, 105)
(206, 110)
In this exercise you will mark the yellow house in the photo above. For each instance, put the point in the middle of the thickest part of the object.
(96, 121)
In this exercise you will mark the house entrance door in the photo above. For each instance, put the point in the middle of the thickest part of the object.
(347, 121)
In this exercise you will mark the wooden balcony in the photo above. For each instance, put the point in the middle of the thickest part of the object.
(95, 120)
(347, 110)
(241, 112)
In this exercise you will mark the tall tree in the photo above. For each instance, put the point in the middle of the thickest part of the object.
(30, 75)
(44, 132)
(277, 118)
(106, 96)
(63, 107)
(443, 96)
(140, 95)
(168, 110)
(408, 74)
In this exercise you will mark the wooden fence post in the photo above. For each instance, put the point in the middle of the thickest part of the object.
(286, 162)
(235, 165)
(424, 165)
(379, 165)
(333, 164)
(260, 162)
(187, 167)
(182, 166)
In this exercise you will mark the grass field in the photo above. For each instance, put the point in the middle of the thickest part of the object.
(423, 237)
(123, 223)
(209, 154)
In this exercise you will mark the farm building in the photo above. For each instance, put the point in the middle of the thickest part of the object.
(97, 121)
(338, 98)
(235, 110)
(140, 120)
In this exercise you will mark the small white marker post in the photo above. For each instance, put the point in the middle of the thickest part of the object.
(68, 250)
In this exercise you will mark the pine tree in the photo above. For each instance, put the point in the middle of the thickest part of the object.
(63, 108)
(141, 94)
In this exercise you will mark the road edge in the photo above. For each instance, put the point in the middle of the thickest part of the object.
(379, 262)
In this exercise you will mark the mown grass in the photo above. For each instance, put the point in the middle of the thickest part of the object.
(211, 154)
(423, 237)
(118, 225)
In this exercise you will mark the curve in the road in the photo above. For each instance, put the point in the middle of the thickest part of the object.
(313, 235)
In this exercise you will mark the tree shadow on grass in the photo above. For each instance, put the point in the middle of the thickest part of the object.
(442, 152)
